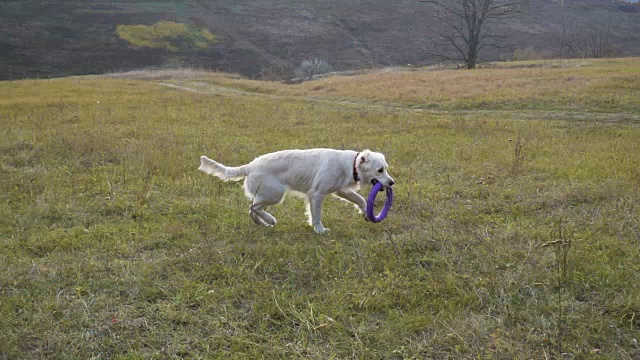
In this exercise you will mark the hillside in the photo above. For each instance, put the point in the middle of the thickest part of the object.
(570, 85)
(514, 233)
(52, 38)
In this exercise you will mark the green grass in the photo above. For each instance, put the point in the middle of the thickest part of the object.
(113, 245)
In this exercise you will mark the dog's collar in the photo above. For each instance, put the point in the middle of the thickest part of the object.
(356, 178)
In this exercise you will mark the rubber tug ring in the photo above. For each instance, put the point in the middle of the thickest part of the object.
(372, 199)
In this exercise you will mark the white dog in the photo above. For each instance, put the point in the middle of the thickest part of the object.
(314, 173)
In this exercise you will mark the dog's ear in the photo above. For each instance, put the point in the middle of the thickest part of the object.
(365, 156)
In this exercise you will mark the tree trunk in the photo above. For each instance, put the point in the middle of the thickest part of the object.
(472, 62)
(472, 56)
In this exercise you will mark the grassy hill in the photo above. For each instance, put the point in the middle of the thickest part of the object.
(52, 38)
(514, 232)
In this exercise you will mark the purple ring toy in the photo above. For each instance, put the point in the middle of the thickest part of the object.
(371, 200)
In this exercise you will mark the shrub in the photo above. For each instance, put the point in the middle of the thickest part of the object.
(166, 35)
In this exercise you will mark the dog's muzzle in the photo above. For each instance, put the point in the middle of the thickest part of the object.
(375, 181)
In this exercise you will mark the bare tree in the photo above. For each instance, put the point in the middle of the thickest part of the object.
(308, 68)
(593, 40)
(464, 27)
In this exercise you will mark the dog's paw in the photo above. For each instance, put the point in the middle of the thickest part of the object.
(321, 230)
(270, 220)
(256, 219)
(364, 214)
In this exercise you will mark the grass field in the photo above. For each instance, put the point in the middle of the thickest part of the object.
(515, 231)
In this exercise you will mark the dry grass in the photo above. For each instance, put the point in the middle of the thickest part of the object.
(612, 84)
(607, 85)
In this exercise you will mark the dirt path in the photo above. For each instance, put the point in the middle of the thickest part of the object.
(182, 88)
(619, 117)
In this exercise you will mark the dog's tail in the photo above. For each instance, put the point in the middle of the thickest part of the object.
(225, 173)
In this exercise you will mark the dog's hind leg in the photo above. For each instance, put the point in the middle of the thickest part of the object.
(256, 218)
(258, 208)
(263, 191)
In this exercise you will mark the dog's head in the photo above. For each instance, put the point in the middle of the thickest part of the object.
(372, 168)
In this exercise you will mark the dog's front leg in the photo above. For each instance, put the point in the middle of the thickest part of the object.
(315, 204)
(355, 198)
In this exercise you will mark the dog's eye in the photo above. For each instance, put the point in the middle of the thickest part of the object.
(380, 170)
